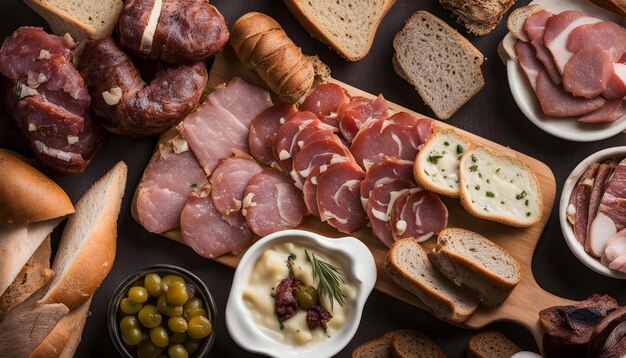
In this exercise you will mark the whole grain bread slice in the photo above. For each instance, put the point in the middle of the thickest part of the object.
(491, 344)
(442, 65)
(475, 263)
(408, 266)
(413, 344)
(348, 26)
(376, 348)
(506, 48)
(478, 16)
(517, 19)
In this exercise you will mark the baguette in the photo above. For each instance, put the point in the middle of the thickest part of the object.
(476, 264)
(408, 266)
(263, 46)
(27, 195)
(412, 344)
(500, 188)
(491, 344)
(87, 249)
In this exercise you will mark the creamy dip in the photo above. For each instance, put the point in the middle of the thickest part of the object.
(268, 271)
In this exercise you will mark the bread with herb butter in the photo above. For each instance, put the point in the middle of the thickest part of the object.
(437, 164)
(499, 188)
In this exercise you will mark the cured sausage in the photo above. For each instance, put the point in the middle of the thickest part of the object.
(338, 197)
(122, 101)
(315, 155)
(379, 207)
(383, 171)
(358, 113)
(263, 130)
(419, 214)
(229, 181)
(271, 203)
(174, 31)
(209, 233)
(324, 101)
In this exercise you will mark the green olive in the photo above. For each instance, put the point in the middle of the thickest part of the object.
(153, 284)
(167, 280)
(177, 351)
(193, 303)
(159, 336)
(132, 337)
(193, 312)
(306, 296)
(199, 327)
(178, 338)
(129, 307)
(167, 309)
(149, 316)
(177, 324)
(138, 294)
(127, 323)
(177, 294)
(147, 349)
(192, 345)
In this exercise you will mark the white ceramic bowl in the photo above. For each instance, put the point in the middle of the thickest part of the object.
(578, 250)
(250, 336)
(524, 95)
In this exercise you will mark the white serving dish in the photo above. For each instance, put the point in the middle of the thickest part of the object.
(250, 336)
(524, 95)
(578, 250)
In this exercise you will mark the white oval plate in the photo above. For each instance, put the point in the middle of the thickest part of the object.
(524, 95)
(250, 336)
(578, 249)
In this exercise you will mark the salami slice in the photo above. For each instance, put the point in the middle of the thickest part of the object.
(309, 190)
(338, 197)
(230, 180)
(383, 171)
(316, 154)
(325, 101)
(358, 113)
(263, 130)
(379, 207)
(419, 214)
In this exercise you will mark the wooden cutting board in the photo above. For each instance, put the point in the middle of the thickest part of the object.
(527, 298)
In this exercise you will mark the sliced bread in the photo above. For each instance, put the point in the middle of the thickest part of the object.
(517, 19)
(475, 263)
(478, 16)
(491, 344)
(376, 348)
(87, 249)
(412, 344)
(437, 164)
(442, 65)
(500, 188)
(506, 48)
(348, 26)
(408, 266)
(82, 19)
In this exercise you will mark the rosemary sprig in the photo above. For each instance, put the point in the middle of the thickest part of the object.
(330, 279)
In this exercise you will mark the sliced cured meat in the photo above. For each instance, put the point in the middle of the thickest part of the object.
(578, 207)
(338, 197)
(244, 100)
(587, 72)
(557, 32)
(166, 185)
(399, 136)
(384, 171)
(379, 207)
(599, 186)
(615, 247)
(616, 87)
(359, 112)
(288, 137)
(229, 181)
(309, 190)
(527, 59)
(271, 203)
(325, 101)
(263, 130)
(607, 113)
(607, 35)
(419, 214)
(315, 155)
(208, 232)
(535, 27)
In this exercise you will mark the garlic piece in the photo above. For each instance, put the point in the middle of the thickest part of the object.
(112, 96)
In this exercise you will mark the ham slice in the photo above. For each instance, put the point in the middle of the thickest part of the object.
(338, 197)
(359, 112)
(229, 181)
(419, 214)
(318, 153)
(242, 99)
(324, 101)
(607, 113)
(208, 232)
(607, 35)
(616, 87)
(166, 185)
(263, 130)
(379, 207)
(271, 203)
(578, 207)
(535, 27)
(384, 171)
(587, 72)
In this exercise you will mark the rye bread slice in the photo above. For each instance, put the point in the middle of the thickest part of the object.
(491, 344)
(413, 344)
(376, 348)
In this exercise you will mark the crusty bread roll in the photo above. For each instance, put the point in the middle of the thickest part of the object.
(27, 195)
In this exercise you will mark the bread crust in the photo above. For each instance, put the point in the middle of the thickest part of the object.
(473, 348)
(396, 342)
(516, 20)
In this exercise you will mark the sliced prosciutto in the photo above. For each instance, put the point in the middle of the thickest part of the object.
(399, 136)
(229, 181)
(338, 197)
(242, 99)
(535, 27)
(272, 203)
(578, 207)
(384, 171)
(263, 130)
(358, 113)
(379, 207)
(419, 214)
(172, 175)
(324, 101)
(208, 232)
(314, 155)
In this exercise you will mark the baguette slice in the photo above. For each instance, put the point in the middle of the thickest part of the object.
(27, 195)
(81, 18)
(87, 249)
(408, 266)
(437, 164)
(348, 26)
(491, 344)
(517, 19)
(412, 344)
(476, 264)
(442, 65)
(376, 348)
(500, 188)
